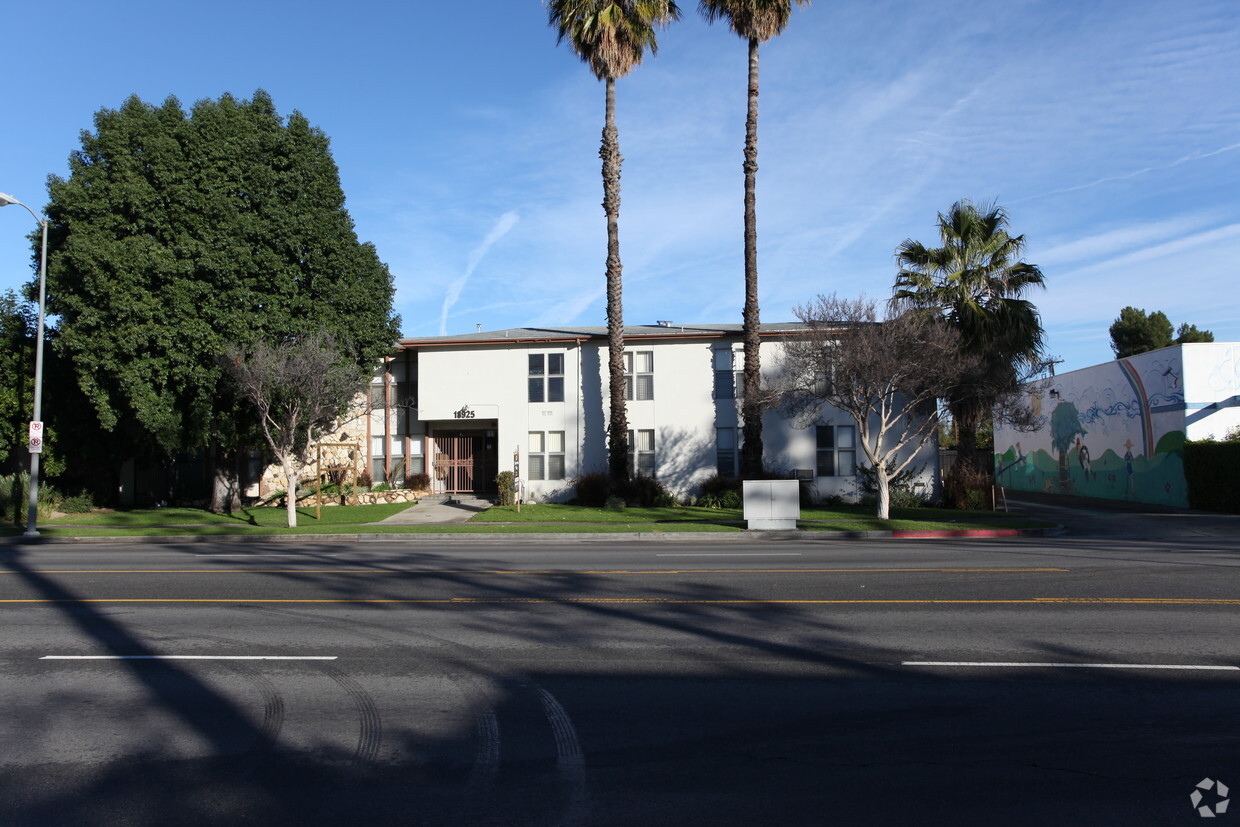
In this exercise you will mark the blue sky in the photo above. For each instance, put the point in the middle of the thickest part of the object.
(467, 144)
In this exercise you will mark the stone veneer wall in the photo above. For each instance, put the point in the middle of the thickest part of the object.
(351, 428)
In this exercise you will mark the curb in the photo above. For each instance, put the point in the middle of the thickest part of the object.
(646, 536)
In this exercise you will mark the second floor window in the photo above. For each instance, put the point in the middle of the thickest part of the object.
(728, 377)
(639, 375)
(546, 377)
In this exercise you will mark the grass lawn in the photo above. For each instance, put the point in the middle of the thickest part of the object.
(257, 517)
(583, 514)
(539, 519)
(836, 518)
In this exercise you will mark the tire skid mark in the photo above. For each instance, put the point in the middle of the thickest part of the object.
(486, 758)
(273, 704)
(273, 701)
(370, 729)
(570, 761)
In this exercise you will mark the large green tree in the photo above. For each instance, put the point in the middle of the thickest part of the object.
(177, 235)
(16, 380)
(1136, 331)
(612, 37)
(974, 282)
(755, 21)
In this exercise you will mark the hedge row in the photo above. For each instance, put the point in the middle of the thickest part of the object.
(1212, 470)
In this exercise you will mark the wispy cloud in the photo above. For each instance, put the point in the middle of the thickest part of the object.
(505, 223)
(1196, 156)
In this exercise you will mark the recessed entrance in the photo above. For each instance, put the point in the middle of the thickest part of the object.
(466, 461)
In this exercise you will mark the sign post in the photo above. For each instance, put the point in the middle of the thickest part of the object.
(516, 478)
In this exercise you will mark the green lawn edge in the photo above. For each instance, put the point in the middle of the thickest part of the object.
(532, 519)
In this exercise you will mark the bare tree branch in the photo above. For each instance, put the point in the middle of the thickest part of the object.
(299, 388)
(886, 373)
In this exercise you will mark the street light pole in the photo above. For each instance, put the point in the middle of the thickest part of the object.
(32, 512)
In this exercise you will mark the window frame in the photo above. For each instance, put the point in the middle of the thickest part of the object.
(638, 458)
(543, 458)
(835, 455)
(632, 377)
(550, 382)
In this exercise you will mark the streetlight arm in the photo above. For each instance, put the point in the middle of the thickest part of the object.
(6, 200)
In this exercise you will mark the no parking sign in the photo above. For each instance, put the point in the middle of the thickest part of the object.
(36, 438)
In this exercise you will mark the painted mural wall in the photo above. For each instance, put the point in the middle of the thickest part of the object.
(1114, 431)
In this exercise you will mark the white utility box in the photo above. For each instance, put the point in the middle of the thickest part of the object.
(772, 505)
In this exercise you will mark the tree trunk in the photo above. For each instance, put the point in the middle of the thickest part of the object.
(968, 473)
(751, 407)
(884, 492)
(225, 482)
(618, 425)
(289, 464)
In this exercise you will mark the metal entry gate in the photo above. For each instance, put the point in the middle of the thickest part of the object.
(466, 462)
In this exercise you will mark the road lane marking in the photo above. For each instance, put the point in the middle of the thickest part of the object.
(188, 657)
(986, 665)
(732, 554)
(429, 572)
(1034, 601)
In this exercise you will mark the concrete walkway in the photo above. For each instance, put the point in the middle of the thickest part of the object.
(430, 512)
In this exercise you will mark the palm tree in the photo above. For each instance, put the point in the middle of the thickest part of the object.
(612, 37)
(974, 283)
(756, 21)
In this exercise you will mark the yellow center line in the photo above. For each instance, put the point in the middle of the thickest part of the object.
(1034, 601)
(551, 571)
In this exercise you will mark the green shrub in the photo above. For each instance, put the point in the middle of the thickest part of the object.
(1212, 472)
(593, 489)
(646, 492)
(383, 486)
(80, 504)
(507, 483)
(15, 498)
(614, 503)
(716, 485)
(730, 499)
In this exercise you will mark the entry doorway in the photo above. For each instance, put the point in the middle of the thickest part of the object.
(466, 461)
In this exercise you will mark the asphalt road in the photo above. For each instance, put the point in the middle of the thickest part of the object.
(684, 682)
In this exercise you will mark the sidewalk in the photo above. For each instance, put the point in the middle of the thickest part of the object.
(1085, 517)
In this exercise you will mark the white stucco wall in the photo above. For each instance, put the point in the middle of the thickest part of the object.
(1211, 389)
(488, 384)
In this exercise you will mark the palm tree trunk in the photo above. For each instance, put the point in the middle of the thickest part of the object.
(618, 425)
(751, 408)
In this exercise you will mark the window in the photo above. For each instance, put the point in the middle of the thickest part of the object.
(378, 466)
(725, 452)
(639, 375)
(417, 455)
(546, 377)
(641, 453)
(728, 380)
(536, 462)
(545, 460)
(837, 451)
(377, 396)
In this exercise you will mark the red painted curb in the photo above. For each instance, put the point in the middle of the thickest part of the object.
(963, 532)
